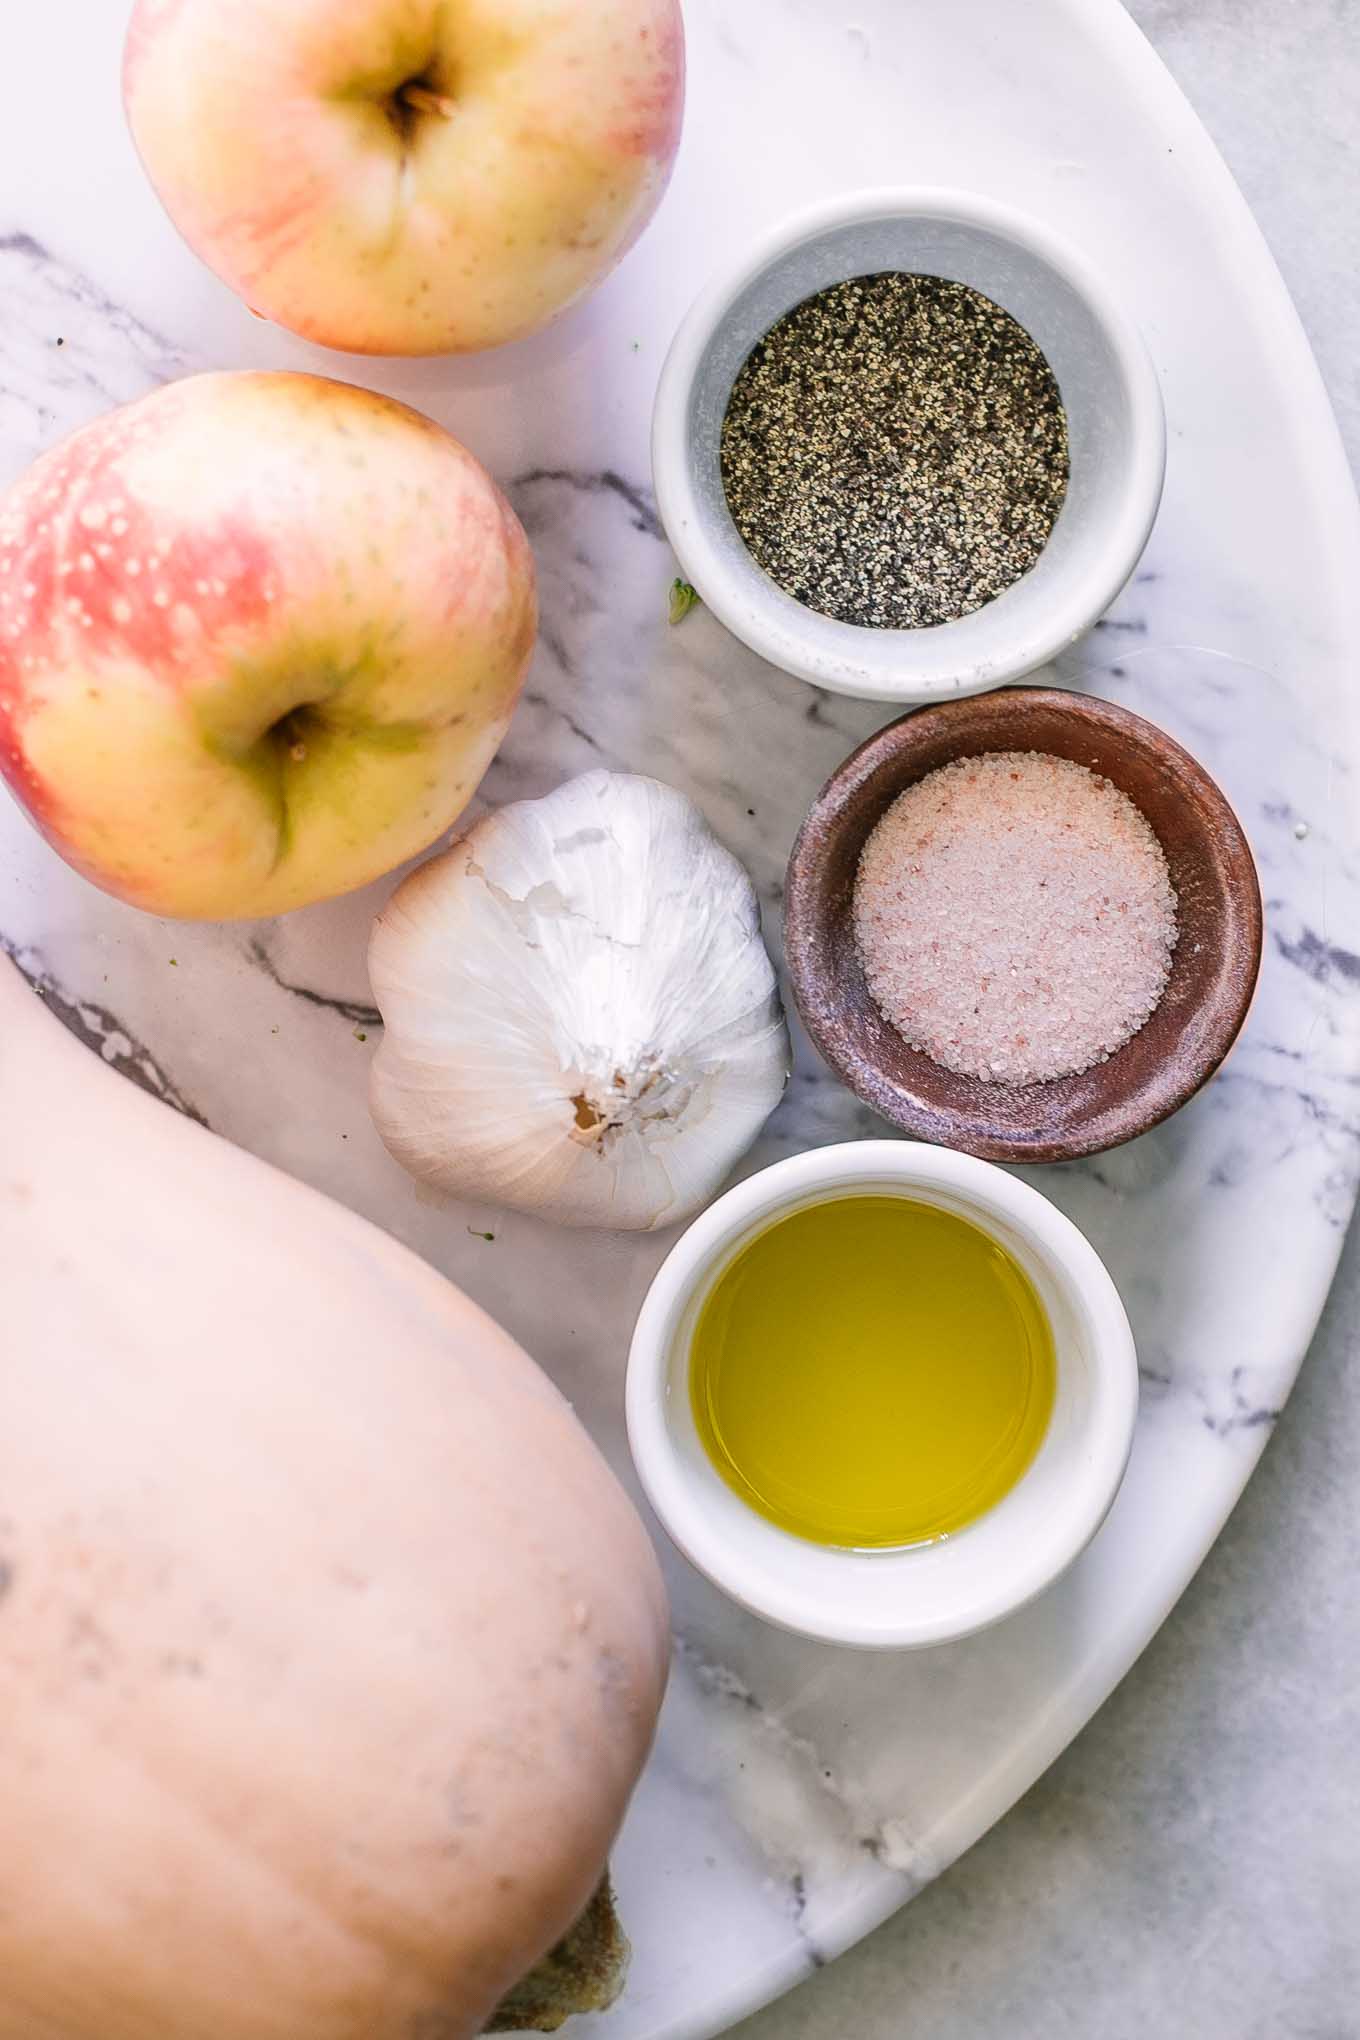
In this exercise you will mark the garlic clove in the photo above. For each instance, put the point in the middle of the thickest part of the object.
(581, 1018)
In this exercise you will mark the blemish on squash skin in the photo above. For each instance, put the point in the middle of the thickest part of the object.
(615, 1681)
(462, 1812)
(177, 1665)
(91, 1644)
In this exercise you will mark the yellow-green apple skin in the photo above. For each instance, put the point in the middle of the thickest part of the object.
(260, 636)
(407, 176)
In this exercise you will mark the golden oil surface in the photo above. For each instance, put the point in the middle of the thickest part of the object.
(872, 1372)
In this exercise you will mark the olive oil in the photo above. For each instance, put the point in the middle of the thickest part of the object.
(873, 1372)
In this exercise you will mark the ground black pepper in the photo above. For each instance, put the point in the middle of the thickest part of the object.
(894, 451)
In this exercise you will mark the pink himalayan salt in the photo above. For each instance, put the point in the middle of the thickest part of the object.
(1015, 917)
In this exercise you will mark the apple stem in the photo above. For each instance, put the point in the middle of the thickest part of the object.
(424, 100)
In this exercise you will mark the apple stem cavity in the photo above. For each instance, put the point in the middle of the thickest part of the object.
(424, 99)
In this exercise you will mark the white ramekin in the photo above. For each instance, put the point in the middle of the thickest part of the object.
(929, 1593)
(1116, 424)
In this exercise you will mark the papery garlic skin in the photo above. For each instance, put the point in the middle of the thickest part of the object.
(581, 1018)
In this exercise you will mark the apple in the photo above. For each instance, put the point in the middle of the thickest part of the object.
(260, 636)
(407, 176)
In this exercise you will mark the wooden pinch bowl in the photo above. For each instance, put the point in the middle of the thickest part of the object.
(1213, 969)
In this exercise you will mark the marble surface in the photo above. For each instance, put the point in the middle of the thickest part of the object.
(1191, 1866)
(800, 1794)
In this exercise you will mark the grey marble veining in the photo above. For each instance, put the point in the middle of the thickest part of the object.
(798, 1794)
(98, 1028)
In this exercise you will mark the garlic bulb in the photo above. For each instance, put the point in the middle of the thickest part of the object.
(581, 1019)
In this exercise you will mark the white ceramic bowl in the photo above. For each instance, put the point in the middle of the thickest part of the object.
(1116, 430)
(928, 1593)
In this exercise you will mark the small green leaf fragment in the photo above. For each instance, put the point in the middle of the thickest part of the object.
(359, 1034)
(683, 599)
(474, 1234)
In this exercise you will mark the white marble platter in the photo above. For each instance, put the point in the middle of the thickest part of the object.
(798, 1794)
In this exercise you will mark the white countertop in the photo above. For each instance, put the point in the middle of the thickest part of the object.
(1190, 1869)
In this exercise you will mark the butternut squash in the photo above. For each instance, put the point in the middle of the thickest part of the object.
(330, 1650)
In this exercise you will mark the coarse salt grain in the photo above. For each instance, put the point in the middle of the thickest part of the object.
(1015, 917)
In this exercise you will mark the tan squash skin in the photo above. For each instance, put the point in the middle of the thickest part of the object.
(329, 1648)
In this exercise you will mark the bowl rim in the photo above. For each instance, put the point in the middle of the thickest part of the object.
(990, 1193)
(1087, 591)
(802, 917)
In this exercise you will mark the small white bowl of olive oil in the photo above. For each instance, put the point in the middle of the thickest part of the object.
(882, 1393)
